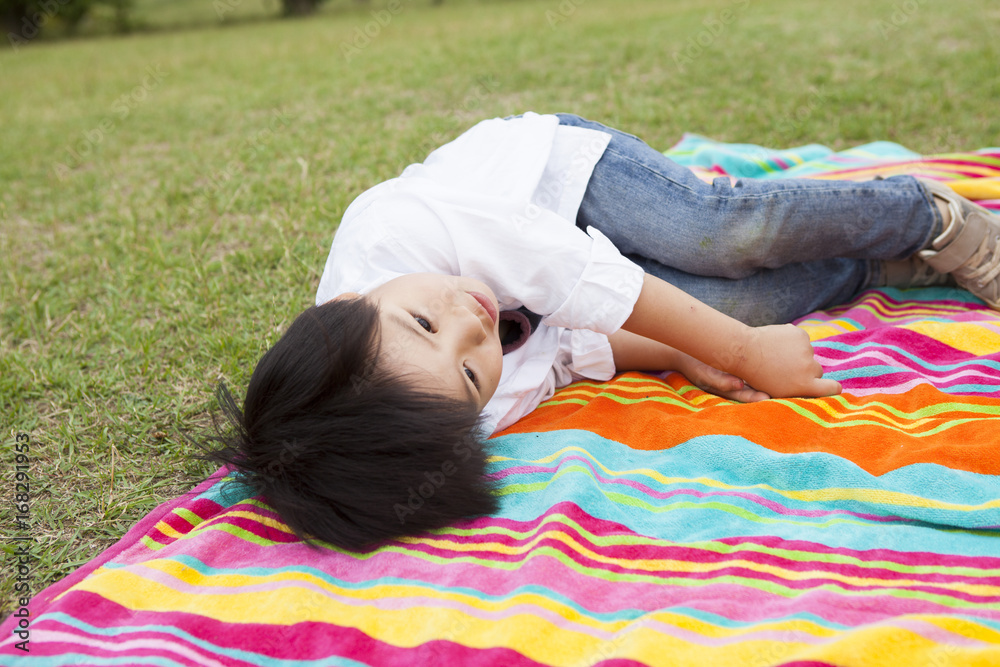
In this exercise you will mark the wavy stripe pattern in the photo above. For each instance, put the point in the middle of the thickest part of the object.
(642, 521)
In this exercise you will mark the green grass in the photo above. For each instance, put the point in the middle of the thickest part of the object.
(178, 245)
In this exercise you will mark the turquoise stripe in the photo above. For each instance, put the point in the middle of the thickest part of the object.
(754, 504)
(751, 160)
(741, 463)
(226, 492)
(929, 295)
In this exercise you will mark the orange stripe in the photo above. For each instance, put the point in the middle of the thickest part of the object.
(655, 424)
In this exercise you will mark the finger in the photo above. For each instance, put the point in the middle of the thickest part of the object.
(745, 395)
(825, 387)
(723, 381)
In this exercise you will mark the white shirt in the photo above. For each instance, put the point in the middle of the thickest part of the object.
(499, 204)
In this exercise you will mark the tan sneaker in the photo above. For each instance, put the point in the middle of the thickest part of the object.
(969, 246)
(913, 272)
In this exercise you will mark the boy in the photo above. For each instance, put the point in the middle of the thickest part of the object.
(539, 249)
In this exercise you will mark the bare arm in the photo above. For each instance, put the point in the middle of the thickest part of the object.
(635, 353)
(777, 360)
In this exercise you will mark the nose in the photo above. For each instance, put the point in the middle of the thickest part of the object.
(468, 324)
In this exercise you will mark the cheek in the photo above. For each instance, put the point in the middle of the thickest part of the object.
(497, 367)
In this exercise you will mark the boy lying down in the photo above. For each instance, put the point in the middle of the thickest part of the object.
(540, 249)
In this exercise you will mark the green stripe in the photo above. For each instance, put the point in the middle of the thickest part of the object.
(808, 414)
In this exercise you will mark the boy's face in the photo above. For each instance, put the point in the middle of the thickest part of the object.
(443, 328)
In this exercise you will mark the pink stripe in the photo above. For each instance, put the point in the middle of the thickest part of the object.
(969, 367)
(860, 389)
(129, 541)
(651, 552)
(134, 647)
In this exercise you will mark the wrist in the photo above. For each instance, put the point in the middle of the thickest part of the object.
(743, 356)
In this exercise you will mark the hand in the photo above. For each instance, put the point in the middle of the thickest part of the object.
(716, 382)
(779, 361)
(776, 360)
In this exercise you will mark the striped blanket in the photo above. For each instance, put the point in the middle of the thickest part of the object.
(643, 521)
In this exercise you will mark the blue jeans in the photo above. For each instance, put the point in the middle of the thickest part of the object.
(761, 251)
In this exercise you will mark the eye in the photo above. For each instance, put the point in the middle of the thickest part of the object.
(423, 322)
(472, 376)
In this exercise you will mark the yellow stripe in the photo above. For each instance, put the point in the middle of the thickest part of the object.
(168, 530)
(905, 424)
(827, 329)
(539, 639)
(977, 188)
(253, 516)
(970, 337)
(887, 645)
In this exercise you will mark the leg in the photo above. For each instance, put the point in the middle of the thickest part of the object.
(649, 205)
(761, 251)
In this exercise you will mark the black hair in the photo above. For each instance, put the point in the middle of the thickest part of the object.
(348, 452)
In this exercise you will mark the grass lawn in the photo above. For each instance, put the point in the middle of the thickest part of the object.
(168, 199)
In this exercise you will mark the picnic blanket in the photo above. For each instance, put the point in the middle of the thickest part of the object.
(642, 521)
